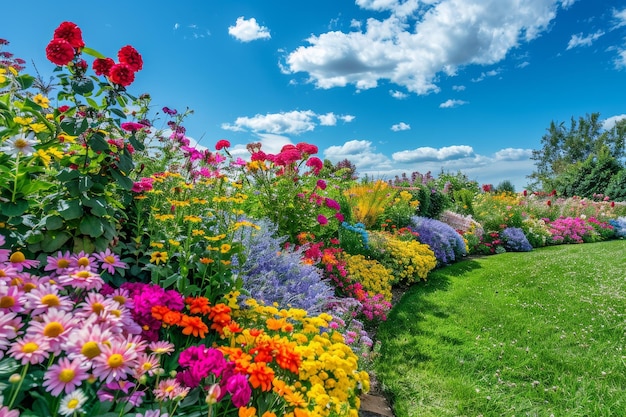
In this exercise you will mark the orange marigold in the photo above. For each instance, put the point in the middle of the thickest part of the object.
(193, 325)
(198, 305)
(261, 376)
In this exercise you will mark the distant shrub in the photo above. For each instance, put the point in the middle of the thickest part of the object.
(537, 232)
(571, 230)
(515, 240)
(447, 244)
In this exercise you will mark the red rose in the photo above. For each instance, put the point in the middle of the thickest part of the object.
(63, 108)
(221, 144)
(60, 52)
(71, 33)
(122, 74)
(307, 148)
(129, 56)
(102, 66)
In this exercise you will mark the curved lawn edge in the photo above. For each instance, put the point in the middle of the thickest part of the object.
(534, 333)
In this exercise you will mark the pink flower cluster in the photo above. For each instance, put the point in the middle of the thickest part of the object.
(569, 230)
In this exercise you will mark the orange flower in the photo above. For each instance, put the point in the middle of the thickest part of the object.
(172, 317)
(242, 359)
(220, 315)
(281, 388)
(275, 324)
(261, 376)
(198, 305)
(159, 311)
(193, 326)
(247, 411)
(268, 414)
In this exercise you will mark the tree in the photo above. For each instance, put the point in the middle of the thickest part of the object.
(563, 148)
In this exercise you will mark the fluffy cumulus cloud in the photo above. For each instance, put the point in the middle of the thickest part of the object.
(507, 164)
(418, 40)
(401, 126)
(287, 123)
(609, 123)
(580, 40)
(248, 30)
(449, 104)
(432, 154)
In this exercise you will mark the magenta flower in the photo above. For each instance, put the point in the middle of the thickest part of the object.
(171, 112)
(221, 144)
(322, 220)
(132, 126)
(321, 184)
(330, 203)
(239, 389)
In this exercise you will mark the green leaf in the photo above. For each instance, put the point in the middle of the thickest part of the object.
(122, 180)
(97, 205)
(139, 146)
(68, 175)
(118, 112)
(97, 142)
(25, 81)
(92, 102)
(72, 127)
(53, 242)
(84, 183)
(82, 86)
(54, 222)
(70, 210)
(92, 52)
(91, 226)
(14, 209)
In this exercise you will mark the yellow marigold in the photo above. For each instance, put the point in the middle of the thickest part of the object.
(43, 101)
(197, 232)
(373, 276)
(192, 219)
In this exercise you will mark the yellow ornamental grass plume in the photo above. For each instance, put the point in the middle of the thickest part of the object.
(368, 201)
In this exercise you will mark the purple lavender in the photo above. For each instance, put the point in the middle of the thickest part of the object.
(444, 241)
(515, 240)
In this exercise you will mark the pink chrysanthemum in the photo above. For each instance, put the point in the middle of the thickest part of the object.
(146, 364)
(11, 299)
(65, 376)
(83, 278)
(7, 412)
(4, 253)
(122, 296)
(30, 349)
(45, 297)
(19, 261)
(84, 260)
(59, 263)
(169, 389)
(7, 272)
(109, 261)
(86, 342)
(7, 330)
(115, 362)
(54, 327)
(161, 347)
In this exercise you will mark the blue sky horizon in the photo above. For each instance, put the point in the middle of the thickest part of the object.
(394, 86)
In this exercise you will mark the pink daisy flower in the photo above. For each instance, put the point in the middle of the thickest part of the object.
(122, 296)
(7, 272)
(45, 297)
(83, 278)
(94, 304)
(65, 376)
(8, 330)
(146, 364)
(7, 412)
(169, 389)
(115, 362)
(109, 261)
(84, 260)
(19, 261)
(86, 342)
(59, 263)
(11, 299)
(54, 327)
(4, 253)
(161, 347)
(30, 349)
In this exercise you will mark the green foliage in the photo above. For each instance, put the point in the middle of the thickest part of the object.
(464, 201)
(616, 188)
(505, 186)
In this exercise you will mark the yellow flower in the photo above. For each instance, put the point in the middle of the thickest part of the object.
(157, 245)
(158, 257)
(225, 248)
(67, 138)
(24, 121)
(197, 232)
(174, 243)
(192, 219)
(38, 127)
(42, 101)
(3, 77)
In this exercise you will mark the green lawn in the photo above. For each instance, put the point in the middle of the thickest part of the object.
(539, 333)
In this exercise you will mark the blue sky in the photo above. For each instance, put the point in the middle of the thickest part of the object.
(393, 85)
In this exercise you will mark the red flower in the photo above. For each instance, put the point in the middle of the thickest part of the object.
(71, 33)
(129, 56)
(221, 144)
(549, 203)
(132, 126)
(258, 156)
(122, 74)
(102, 66)
(63, 108)
(307, 148)
(316, 164)
(60, 52)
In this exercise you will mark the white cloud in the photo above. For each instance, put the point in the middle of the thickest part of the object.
(513, 154)
(580, 40)
(432, 154)
(458, 87)
(620, 61)
(248, 30)
(398, 94)
(608, 124)
(291, 123)
(484, 169)
(400, 126)
(176, 26)
(484, 75)
(420, 39)
(620, 17)
(449, 104)
(523, 64)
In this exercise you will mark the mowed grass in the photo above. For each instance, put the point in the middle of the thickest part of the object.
(540, 333)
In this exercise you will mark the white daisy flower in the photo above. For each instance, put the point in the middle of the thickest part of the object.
(20, 144)
(72, 402)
